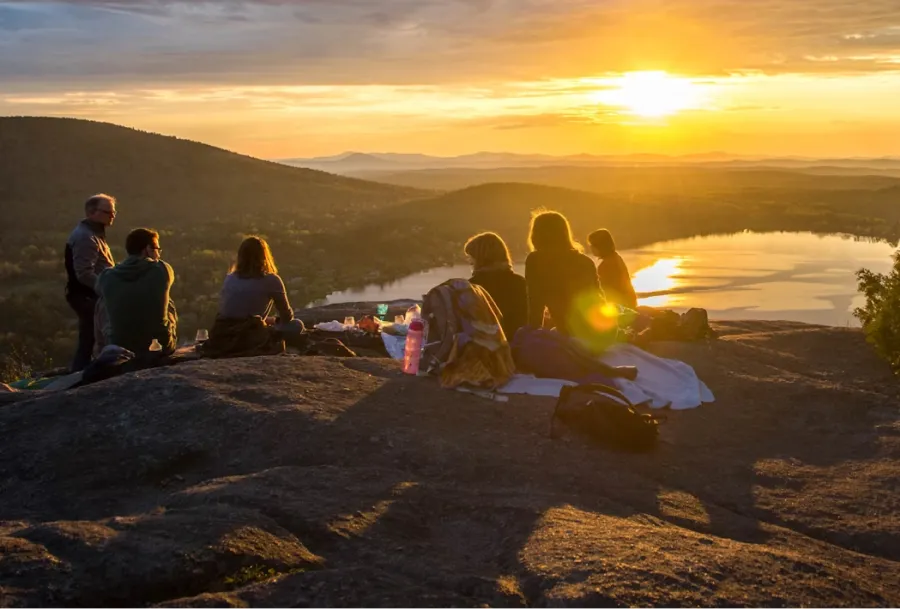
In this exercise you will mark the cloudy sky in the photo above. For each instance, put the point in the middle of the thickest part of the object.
(280, 78)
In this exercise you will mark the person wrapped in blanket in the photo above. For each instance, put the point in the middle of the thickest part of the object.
(563, 284)
(243, 326)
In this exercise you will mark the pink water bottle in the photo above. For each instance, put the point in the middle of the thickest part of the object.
(413, 352)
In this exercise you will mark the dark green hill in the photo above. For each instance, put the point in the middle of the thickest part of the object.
(54, 164)
(442, 223)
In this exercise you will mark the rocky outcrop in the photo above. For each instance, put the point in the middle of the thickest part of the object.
(298, 481)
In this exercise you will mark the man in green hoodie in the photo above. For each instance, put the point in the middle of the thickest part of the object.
(136, 295)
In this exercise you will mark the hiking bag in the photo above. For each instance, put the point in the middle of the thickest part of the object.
(605, 417)
(439, 310)
(465, 343)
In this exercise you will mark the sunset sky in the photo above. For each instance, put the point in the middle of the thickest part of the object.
(274, 78)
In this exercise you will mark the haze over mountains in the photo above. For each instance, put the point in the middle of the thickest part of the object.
(685, 180)
(357, 162)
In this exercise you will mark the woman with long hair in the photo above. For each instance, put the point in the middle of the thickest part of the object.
(253, 287)
(560, 278)
(615, 280)
(492, 270)
(251, 290)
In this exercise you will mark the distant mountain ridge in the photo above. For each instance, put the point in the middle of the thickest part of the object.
(685, 179)
(349, 163)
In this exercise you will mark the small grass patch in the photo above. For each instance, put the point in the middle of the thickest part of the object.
(255, 574)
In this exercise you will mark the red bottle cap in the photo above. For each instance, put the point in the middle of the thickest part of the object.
(417, 325)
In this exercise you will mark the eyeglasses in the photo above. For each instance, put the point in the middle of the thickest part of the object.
(109, 212)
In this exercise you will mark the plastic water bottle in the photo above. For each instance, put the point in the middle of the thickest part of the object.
(413, 352)
(414, 312)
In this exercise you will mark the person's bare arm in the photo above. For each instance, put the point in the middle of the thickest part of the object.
(536, 295)
(279, 297)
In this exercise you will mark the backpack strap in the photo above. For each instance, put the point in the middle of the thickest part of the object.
(601, 389)
(440, 316)
(563, 396)
(615, 393)
(491, 303)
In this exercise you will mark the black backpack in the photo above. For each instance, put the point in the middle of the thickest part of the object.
(605, 417)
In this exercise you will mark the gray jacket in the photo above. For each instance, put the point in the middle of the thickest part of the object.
(87, 255)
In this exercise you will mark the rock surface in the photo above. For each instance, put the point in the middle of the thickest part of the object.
(298, 481)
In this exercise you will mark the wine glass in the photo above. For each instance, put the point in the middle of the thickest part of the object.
(349, 321)
(202, 336)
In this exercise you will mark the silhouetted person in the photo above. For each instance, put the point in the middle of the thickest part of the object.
(135, 293)
(615, 281)
(560, 277)
(492, 270)
(87, 255)
(253, 288)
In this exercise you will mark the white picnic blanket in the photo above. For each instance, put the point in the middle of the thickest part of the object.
(526, 384)
(660, 382)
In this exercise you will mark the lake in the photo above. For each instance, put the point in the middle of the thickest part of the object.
(772, 276)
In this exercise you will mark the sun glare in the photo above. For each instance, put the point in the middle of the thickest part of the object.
(660, 276)
(652, 94)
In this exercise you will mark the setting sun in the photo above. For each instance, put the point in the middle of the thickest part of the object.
(652, 94)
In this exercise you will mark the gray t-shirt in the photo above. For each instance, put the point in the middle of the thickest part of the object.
(244, 297)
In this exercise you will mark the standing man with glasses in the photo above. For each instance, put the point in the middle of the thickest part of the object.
(87, 255)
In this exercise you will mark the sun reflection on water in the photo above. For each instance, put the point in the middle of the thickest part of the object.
(661, 276)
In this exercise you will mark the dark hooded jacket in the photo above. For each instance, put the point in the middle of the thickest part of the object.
(508, 290)
(135, 293)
